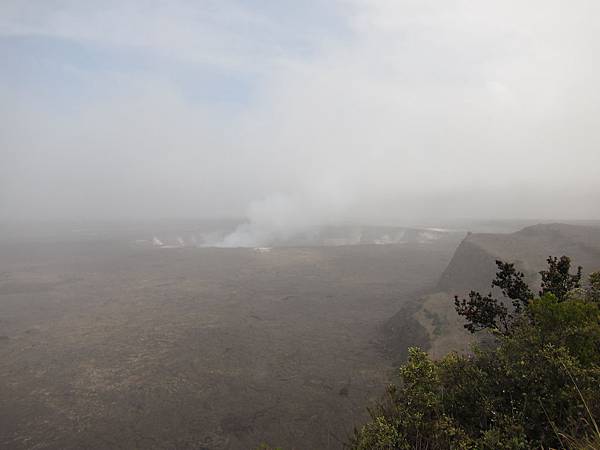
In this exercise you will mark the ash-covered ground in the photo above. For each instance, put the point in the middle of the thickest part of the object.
(109, 342)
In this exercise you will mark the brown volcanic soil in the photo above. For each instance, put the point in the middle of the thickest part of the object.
(105, 345)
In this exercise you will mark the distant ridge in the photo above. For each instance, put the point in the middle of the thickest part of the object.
(473, 267)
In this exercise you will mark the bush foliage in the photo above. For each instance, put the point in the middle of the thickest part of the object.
(540, 376)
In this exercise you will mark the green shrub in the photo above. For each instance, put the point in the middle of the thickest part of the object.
(513, 395)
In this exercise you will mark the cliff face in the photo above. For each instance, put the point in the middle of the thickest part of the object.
(473, 267)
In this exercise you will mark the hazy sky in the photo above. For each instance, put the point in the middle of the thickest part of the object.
(295, 113)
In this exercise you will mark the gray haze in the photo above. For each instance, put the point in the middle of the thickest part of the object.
(365, 111)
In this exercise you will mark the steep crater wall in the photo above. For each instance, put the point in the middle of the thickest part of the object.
(431, 322)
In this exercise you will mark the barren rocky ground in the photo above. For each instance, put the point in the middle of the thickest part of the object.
(109, 345)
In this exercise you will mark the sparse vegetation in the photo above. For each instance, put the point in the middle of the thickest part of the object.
(436, 321)
(538, 377)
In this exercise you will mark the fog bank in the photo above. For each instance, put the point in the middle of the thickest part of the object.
(353, 111)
